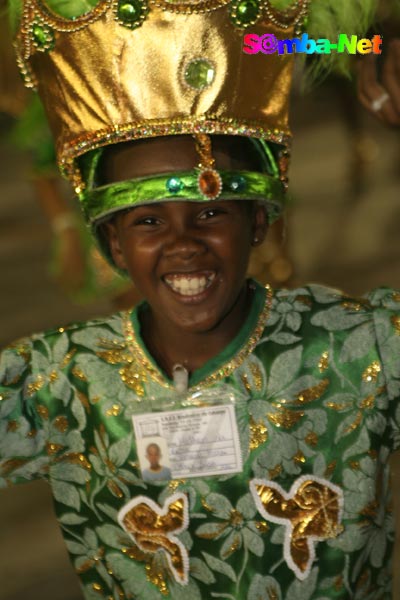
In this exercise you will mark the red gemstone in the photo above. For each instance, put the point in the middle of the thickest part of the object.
(210, 184)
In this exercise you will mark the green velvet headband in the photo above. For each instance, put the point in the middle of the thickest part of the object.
(99, 203)
(102, 202)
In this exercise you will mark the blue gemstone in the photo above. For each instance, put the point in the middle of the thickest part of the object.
(238, 183)
(174, 185)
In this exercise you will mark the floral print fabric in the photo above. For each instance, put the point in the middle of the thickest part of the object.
(318, 413)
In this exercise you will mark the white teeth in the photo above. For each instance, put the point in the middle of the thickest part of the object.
(189, 285)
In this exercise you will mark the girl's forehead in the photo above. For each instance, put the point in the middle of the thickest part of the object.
(172, 153)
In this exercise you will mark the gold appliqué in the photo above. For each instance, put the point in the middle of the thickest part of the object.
(312, 393)
(311, 438)
(395, 319)
(61, 423)
(258, 434)
(323, 362)
(154, 528)
(131, 373)
(257, 376)
(114, 411)
(311, 512)
(285, 418)
(371, 373)
(35, 385)
(78, 373)
(42, 411)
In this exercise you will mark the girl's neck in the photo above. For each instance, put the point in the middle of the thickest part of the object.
(170, 346)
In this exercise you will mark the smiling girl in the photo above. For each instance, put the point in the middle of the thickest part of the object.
(276, 409)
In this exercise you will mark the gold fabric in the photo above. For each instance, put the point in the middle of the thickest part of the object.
(102, 82)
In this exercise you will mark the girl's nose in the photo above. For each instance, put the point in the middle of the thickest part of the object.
(183, 243)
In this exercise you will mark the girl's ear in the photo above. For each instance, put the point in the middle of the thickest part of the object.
(260, 225)
(111, 234)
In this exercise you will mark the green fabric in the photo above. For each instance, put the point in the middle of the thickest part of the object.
(323, 381)
(103, 201)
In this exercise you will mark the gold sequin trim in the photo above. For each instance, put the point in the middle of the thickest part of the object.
(312, 393)
(395, 319)
(275, 472)
(311, 439)
(12, 425)
(371, 373)
(257, 376)
(67, 358)
(79, 374)
(114, 411)
(140, 358)
(293, 15)
(285, 418)
(299, 458)
(36, 385)
(323, 362)
(210, 123)
(42, 411)
(61, 423)
(189, 7)
(258, 434)
(52, 449)
(356, 423)
(368, 402)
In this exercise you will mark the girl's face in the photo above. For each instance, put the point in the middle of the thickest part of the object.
(188, 259)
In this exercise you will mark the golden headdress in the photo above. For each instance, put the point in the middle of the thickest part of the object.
(131, 69)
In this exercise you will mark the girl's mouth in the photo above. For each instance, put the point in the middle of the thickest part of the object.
(189, 284)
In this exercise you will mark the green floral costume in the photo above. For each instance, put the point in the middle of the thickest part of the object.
(316, 376)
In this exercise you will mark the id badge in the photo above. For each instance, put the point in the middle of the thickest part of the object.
(189, 442)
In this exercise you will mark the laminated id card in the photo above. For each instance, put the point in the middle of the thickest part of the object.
(192, 442)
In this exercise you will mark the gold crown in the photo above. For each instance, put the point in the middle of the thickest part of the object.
(129, 70)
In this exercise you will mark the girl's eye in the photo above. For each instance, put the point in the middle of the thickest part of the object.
(210, 213)
(147, 221)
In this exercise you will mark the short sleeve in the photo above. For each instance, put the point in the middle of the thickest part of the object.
(386, 311)
(23, 454)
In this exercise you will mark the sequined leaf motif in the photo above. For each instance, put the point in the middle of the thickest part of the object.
(311, 512)
(154, 528)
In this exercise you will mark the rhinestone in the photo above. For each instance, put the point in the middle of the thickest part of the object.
(42, 37)
(199, 73)
(174, 185)
(246, 12)
(238, 183)
(210, 184)
(130, 12)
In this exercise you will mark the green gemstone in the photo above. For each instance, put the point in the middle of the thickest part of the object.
(238, 183)
(247, 12)
(130, 12)
(42, 36)
(174, 185)
(199, 73)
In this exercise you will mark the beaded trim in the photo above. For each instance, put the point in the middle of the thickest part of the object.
(189, 7)
(222, 372)
(285, 18)
(293, 15)
(140, 130)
